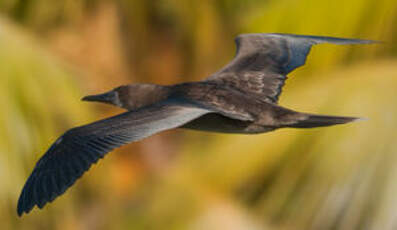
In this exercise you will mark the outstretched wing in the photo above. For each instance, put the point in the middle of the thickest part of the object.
(75, 151)
(263, 61)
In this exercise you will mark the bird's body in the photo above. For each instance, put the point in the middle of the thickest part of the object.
(242, 113)
(240, 98)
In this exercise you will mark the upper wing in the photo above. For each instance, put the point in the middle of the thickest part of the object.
(75, 151)
(262, 61)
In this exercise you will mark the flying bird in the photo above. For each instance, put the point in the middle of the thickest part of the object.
(240, 98)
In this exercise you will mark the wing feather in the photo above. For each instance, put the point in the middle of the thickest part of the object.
(75, 151)
(263, 61)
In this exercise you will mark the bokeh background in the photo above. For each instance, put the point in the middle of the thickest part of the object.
(52, 53)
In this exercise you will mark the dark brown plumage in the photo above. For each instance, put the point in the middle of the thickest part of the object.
(240, 98)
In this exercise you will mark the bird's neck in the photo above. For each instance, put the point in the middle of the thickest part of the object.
(143, 95)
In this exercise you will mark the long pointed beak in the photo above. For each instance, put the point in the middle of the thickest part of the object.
(108, 97)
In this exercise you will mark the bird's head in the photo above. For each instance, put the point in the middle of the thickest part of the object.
(131, 96)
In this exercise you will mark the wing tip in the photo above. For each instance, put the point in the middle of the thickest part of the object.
(357, 119)
(26, 204)
(334, 40)
(20, 210)
(26, 208)
(23, 208)
(316, 39)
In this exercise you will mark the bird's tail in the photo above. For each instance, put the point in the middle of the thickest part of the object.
(311, 121)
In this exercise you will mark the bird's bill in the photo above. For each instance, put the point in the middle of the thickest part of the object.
(108, 97)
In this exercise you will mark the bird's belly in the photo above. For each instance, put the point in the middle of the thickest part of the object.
(213, 122)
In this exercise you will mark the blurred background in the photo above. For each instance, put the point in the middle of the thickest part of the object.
(52, 53)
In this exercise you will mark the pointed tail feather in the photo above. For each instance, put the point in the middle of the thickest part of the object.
(313, 121)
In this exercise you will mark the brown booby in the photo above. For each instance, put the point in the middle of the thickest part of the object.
(240, 98)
